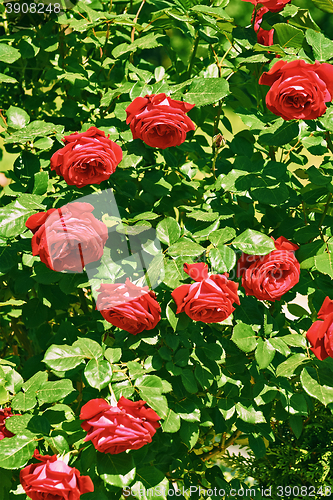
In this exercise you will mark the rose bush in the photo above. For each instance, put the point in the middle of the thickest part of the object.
(157, 310)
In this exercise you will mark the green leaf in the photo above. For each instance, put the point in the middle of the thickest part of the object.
(203, 376)
(287, 368)
(312, 385)
(35, 129)
(98, 373)
(24, 401)
(17, 117)
(44, 143)
(12, 220)
(257, 445)
(34, 313)
(4, 395)
(89, 348)
(324, 263)
(203, 216)
(205, 91)
(8, 54)
(249, 414)
(322, 47)
(7, 79)
(113, 354)
(50, 392)
(288, 36)
(222, 259)
(188, 381)
(36, 424)
(171, 314)
(63, 357)
(189, 433)
(279, 346)
(171, 422)
(150, 388)
(254, 243)
(244, 337)
(222, 236)
(266, 395)
(41, 180)
(264, 354)
(144, 42)
(185, 247)
(325, 5)
(279, 133)
(168, 231)
(294, 339)
(17, 451)
(149, 476)
(116, 470)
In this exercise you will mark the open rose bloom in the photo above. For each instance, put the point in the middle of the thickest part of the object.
(53, 479)
(320, 334)
(270, 276)
(210, 299)
(298, 90)
(67, 238)
(87, 158)
(159, 121)
(264, 37)
(114, 429)
(130, 307)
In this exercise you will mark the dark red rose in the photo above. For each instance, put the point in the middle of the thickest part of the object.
(67, 238)
(265, 37)
(298, 90)
(208, 300)
(87, 158)
(158, 120)
(271, 5)
(320, 334)
(270, 276)
(53, 479)
(130, 307)
(4, 414)
(114, 429)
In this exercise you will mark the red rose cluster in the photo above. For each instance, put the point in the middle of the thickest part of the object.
(114, 429)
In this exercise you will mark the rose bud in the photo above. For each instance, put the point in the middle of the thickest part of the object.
(298, 90)
(270, 276)
(53, 479)
(210, 299)
(159, 121)
(129, 307)
(67, 238)
(114, 429)
(87, 158)
(320, 334)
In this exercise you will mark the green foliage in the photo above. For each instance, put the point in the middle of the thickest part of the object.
(229, 188)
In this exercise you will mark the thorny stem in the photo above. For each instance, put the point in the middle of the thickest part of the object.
(135, 20)
(290, 150)
(194, 51)
(223, 446)
(304, 212)
(328, 201)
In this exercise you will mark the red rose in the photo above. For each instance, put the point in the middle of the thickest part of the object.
(265, 37)
(298, 90)
(67, 238)
(114, 429)
(87, 158)
(208, 300)
(128, 306)
(320, 334)
(158, 120)
(53, 480)
(4, 414)
(271, 5)
(270, 276)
